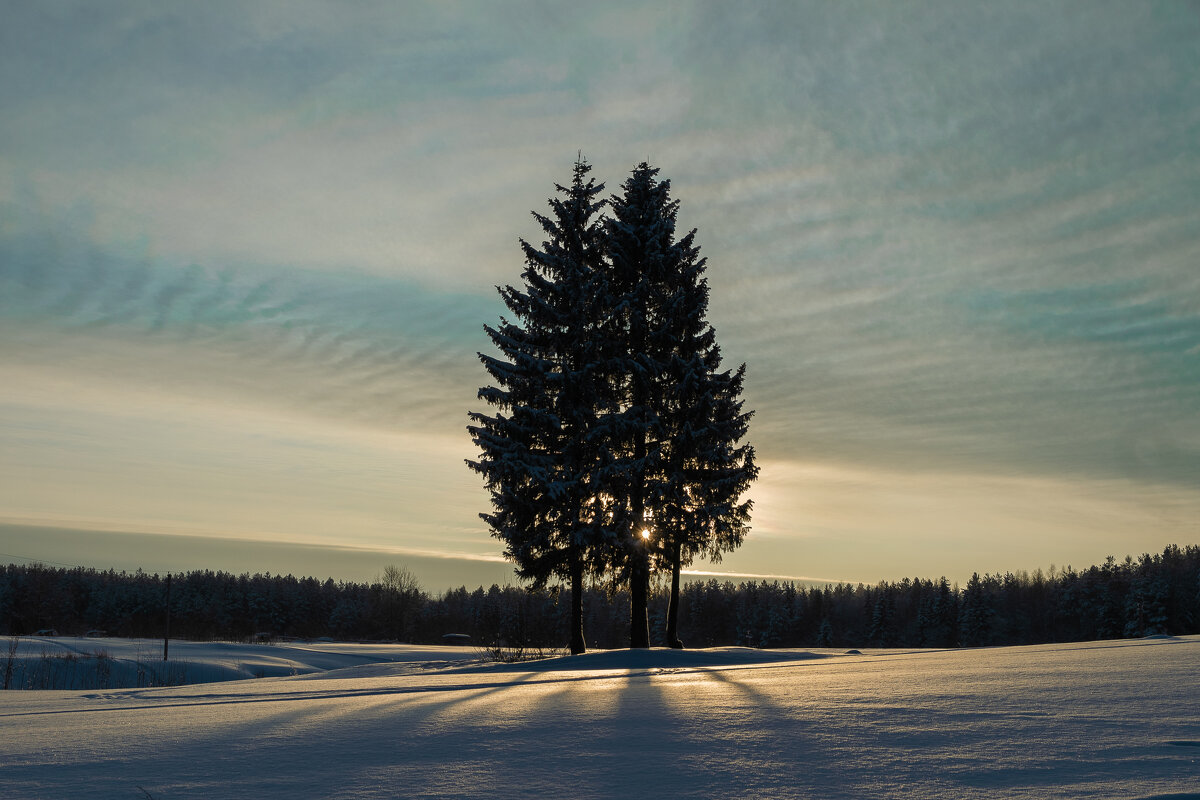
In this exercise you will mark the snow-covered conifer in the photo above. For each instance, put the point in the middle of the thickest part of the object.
(643, 258)
(542, 452)
(684, 469)
(614, 418)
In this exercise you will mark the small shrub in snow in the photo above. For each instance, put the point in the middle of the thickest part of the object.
(103, 669)
(516, 653)
(10, 661)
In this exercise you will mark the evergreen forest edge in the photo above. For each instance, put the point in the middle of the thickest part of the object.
(1150, 595)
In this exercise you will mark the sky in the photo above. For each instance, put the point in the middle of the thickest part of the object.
(247, 252)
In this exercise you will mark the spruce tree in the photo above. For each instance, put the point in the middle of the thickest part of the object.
(976, 613)
(542, 453)
(681, 466)
(642, 256)
(617, 440)
(705, 468)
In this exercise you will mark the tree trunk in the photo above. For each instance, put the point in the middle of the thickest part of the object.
(673, 605)
(167, 625)
(578, 645)
(639, 591)
(639, 571)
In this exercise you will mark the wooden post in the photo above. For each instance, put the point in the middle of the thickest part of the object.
(167, 630)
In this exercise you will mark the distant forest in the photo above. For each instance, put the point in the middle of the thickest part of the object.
(1155, 594)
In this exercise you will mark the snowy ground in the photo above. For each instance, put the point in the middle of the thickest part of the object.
(65, 662)
(1110, 719)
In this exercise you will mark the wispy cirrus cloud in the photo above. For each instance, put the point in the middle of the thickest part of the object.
(384, 351)
(948, 240)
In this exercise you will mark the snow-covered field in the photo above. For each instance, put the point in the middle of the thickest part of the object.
(1111, 719)
(65, 662)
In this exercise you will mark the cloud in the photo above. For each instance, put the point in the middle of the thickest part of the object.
(947, 239)
(358, 346)
(896, 294)
(975, 335)
(971, 247)
(367, 138)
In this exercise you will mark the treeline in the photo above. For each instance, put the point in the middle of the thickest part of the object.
(1156, 594)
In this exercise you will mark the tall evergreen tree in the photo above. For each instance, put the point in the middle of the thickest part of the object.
(643, 257)
(683, 471)
(543, 454)
(617, 439)
(705, 470)
(976, 613)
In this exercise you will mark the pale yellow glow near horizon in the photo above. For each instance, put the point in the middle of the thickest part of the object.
(147, 461)
(150, 461)
(922, 523)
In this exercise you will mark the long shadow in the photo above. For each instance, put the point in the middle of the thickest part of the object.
(774, 739)
(1112, 645)
(676, 728)
(605, 729)
(327, 716)
(317, 735)
(200, 700)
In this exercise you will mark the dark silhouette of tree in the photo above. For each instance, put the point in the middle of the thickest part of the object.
(642, 253)
(977, 612)
(825, 634)
(883, 612)
(680, 423)
(544, 452)
(699, 509)
(617, 440)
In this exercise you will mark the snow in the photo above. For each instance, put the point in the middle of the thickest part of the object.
(139, 662)
(1114, 719)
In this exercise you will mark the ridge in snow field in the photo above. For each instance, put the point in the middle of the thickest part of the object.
(1117, 719)
(66, 662)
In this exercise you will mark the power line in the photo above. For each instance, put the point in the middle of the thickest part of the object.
(42, 561)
